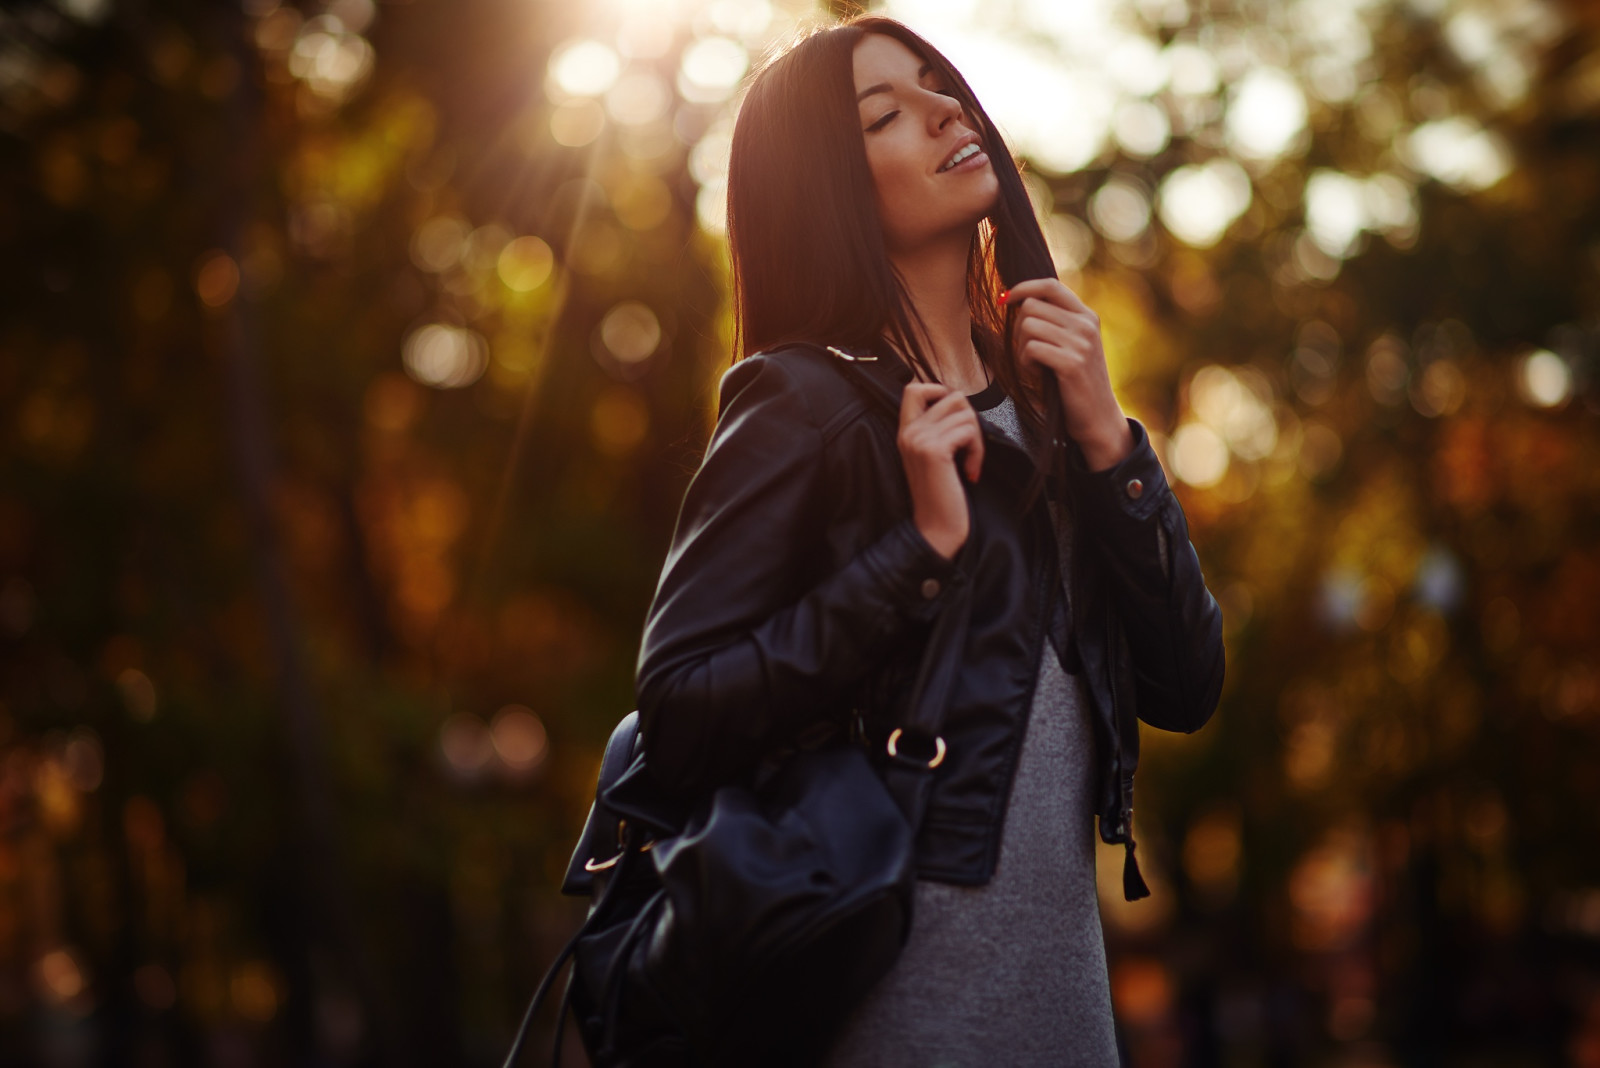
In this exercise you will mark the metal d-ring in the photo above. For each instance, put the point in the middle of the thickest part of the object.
(938, 747)
(601, 865)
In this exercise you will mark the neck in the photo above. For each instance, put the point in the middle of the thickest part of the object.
(935, 277)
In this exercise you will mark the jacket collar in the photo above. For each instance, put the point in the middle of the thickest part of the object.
(883, 374)
(887, 375)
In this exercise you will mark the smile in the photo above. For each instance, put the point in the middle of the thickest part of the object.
(962, 154)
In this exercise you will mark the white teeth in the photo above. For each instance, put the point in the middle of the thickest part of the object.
(967, 152)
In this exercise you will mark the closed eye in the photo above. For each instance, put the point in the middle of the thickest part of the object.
(881, 123)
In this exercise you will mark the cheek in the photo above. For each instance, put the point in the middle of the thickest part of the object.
(888, 170)
(896, 180)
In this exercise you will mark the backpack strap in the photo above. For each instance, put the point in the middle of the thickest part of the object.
(918, 746)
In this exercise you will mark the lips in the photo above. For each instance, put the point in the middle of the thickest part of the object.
(961, 151)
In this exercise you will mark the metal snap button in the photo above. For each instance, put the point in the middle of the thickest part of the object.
(930, 588)
(1135, 488)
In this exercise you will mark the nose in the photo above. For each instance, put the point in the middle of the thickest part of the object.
(945, 109)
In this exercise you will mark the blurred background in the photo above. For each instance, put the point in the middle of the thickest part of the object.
(354, 357)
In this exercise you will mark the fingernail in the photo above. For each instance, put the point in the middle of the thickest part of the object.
(1004, 293)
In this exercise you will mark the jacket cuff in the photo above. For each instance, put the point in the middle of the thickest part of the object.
(911, 572)
(1128, 493)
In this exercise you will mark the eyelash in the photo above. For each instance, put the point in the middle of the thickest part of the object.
(881, 123)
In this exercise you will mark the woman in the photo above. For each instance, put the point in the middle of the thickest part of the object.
(873, 208)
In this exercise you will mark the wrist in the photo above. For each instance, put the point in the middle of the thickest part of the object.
(1108, 446)
(946, 543)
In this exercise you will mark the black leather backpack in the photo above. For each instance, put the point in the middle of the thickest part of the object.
(742, 929)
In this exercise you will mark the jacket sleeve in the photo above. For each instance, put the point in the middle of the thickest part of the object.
(744, 641)
(1171, 620)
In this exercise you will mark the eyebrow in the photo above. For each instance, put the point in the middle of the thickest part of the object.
(885, 87)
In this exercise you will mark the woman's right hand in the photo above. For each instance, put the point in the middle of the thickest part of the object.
(936, 423)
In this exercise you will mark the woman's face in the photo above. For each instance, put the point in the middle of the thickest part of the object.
(913, 129)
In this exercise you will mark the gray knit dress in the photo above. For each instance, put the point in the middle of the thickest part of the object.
(1012, 972)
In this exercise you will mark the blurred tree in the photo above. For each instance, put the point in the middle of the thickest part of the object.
(316, 421)
(354, 360)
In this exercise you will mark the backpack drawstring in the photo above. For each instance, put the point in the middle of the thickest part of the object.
(561, 959)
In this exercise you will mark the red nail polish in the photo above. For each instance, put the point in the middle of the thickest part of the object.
(1004, 293)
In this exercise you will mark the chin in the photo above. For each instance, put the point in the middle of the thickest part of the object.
(985, 206)
(936, 222)
(976, 203)
(991, 191)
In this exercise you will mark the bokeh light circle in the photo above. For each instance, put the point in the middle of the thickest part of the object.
(630, 331)
(584, 68)
(525, 264)
(445, 357)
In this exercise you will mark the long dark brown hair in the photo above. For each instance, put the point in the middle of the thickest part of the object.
(808, 253)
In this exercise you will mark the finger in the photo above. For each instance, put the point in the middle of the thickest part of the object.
(918, 397)
(965, 445)
(952, 402)
(975, 456)
(955, 403)
(924, 391)
(935, 436)
(1038, 311)
(1040, 328)
(1046, 356)
(951, 437)
(1053, 313)
(1049, 291)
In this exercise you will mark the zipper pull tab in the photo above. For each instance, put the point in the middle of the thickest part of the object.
(1133, 884)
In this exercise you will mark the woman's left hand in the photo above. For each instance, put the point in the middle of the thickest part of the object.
(1054, 331)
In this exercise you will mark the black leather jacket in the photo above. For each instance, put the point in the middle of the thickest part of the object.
(798, 589)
